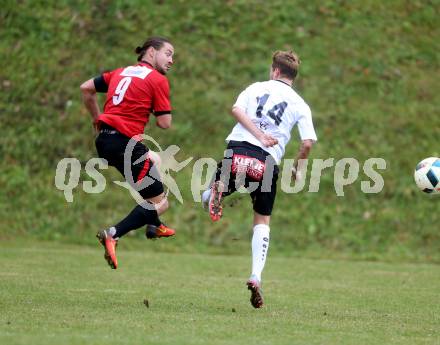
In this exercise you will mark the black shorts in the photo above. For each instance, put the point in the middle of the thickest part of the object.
(249, 166)
(111, 146)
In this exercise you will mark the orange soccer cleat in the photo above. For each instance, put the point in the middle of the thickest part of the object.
(159, 231)
(110, 245)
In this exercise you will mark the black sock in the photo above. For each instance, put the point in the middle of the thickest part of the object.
(138, 217)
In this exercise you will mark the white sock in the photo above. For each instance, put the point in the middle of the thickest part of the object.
(205, 198)
(111, 231)
(260, 246)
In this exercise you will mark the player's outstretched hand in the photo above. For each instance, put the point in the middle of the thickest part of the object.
(267, 140)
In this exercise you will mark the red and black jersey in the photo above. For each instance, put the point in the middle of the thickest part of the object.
(133, 92)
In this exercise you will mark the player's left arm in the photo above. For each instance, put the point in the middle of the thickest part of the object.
(308, 138)
(162, 104)
(303, 153)
(164, 120)
(90, 99)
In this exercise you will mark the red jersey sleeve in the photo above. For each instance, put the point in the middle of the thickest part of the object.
(107, 76)
(161, 98)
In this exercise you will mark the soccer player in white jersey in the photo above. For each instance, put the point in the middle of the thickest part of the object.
(266, 113)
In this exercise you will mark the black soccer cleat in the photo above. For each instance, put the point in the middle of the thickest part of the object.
(254, 285)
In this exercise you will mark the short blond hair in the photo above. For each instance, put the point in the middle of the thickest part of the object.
(287, 62)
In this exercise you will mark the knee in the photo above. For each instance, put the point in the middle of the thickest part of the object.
(163, 206)
(261, 219)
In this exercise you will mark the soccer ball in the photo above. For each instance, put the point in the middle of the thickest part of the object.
(427, 175)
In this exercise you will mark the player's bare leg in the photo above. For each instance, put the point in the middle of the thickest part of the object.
(215, 201)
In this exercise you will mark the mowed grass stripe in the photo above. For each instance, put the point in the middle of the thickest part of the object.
(52, 294)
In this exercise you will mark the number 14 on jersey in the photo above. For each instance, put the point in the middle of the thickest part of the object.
(275, 113)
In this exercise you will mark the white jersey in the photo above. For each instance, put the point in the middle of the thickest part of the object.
(274, 107)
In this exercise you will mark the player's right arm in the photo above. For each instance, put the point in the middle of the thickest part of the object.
(90, 99)
(240, 115)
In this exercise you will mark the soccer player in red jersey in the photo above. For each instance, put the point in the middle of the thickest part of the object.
(133, 92)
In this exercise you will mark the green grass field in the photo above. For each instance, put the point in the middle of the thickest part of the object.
(65, 294)
(369, 72)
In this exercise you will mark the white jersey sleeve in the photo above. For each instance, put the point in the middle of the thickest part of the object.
(243, 99)
(305, 124)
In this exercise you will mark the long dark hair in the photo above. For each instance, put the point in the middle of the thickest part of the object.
(156, 42)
